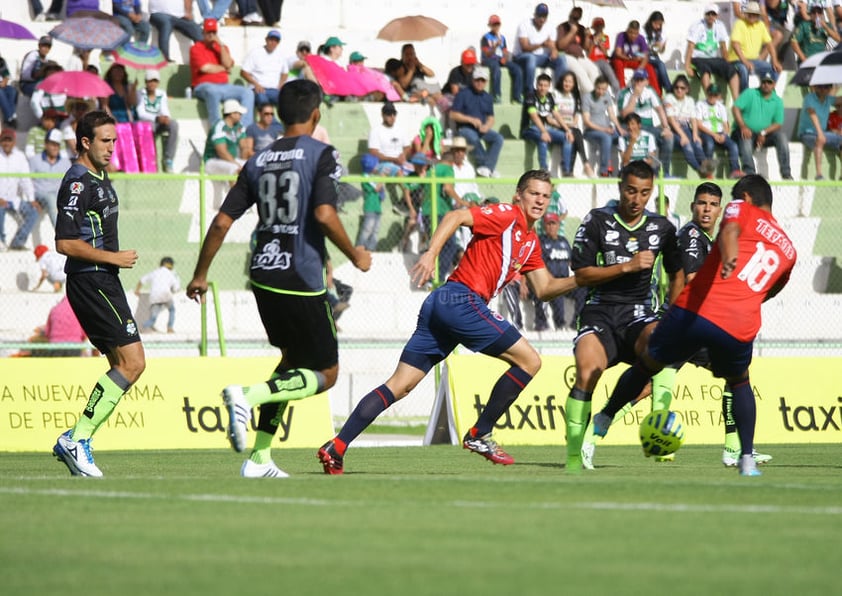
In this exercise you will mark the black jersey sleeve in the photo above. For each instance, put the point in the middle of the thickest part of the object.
(694, 246)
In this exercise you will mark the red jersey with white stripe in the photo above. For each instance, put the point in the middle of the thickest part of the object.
(502, 246)
(766, 255)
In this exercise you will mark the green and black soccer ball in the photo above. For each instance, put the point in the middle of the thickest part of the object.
(661, 433)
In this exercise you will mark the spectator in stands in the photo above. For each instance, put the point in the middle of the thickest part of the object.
(749, 39)
(8, 96)
(556, 251)
(812, 124)
(51, 264)
(463, 170)
(461, 76)
(78, 107)
(637, 143)
(373, 195)
(599, 52)
(803, 9)
(265, 70)
(810, 37)
(570, 111)
(473, 113)
(715, 129)
(37, 134)
(80, 59)
(332, 49)
(122, 102)
(130, 16)
(542, 124)
(429, 138)
(247, 10)
(16, 194)
(163, 283)
(52, 14)
(40, 99)
(226, 141)
(632, 51)
(837, 13)
(210, 64)
(601, 124)
(169, 15)
(572, 38)
(641, 99)
(214, 9)
(535, 47)
(271, 11)
(777, 19)
(388, 144)
(412, 78)
(263, 131)
(62, 326)
(152, 106)
(297, 67)
(706, 55)
(653, 28)
(74, 6)
(495, 56)
(31, 66)
(680, 108)
(50, 161)
(759, 116)
(446, 200)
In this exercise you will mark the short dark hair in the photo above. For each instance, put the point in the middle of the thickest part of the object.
(297, 100)
(167, 261)
(540, 175)
(545, 77)
(632, 116)
(708, 188)
(88, 124)
(637, 168)
(755, 186)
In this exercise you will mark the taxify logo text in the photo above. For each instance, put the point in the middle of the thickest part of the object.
(543, 414)
(811, 418)
(215, 419)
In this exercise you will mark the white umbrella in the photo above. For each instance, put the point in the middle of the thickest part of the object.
(828, 70)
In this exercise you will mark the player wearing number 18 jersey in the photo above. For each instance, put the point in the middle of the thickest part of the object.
(750, 263)
(293, 184)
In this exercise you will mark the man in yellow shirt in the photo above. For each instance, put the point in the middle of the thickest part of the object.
(751, 42)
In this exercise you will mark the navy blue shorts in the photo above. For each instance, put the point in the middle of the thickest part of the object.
(99, 302)
(681, 333)
(453, 315)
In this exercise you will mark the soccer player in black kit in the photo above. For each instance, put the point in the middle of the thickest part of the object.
(293, 184)
(614, 253)
(86, 232)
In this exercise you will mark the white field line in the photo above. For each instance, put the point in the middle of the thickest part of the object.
(560, 506)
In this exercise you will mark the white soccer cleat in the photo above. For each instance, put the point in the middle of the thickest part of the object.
(239, 413)
(251, 469)
(76, 455)
(731, 457)
(588, 450)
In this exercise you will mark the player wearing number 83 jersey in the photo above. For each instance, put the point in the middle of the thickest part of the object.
(288, 251)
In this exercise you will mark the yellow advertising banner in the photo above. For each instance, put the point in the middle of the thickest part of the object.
(175, 405)
(798, 401)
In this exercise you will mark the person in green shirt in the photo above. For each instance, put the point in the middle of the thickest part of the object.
(373, 195)
(810, 37)
(759, 118)
(446, 199)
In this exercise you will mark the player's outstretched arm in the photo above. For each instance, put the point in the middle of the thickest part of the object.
(546, 287)
(198, 286)
(335, 232)
(729, 248)
(422, 271)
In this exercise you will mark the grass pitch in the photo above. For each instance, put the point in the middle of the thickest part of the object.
(432, 520)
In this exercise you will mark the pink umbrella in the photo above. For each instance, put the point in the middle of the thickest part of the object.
(75, 83)
(374, 80)
(333, 78)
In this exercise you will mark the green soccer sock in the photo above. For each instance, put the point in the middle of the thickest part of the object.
(289, 385)
(104, 398)
(577, 409)
(262, 452)
(662, 387)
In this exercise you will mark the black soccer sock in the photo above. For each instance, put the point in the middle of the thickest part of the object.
(504, 393)
(629, 386)
(745, 414)
(366, 411)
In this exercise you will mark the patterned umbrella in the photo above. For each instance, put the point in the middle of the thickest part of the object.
(413, 28)
(139, 55)
(10, 30)
(90, 33)
(75, 83)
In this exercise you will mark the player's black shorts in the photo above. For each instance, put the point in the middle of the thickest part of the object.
(302, 326)
(617, 328)
(99, 302)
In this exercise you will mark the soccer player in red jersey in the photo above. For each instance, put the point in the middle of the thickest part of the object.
(750, 263)
(503, 245)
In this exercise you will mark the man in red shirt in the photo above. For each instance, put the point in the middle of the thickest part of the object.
(503, 245)
(750, 263)
(210, 64)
